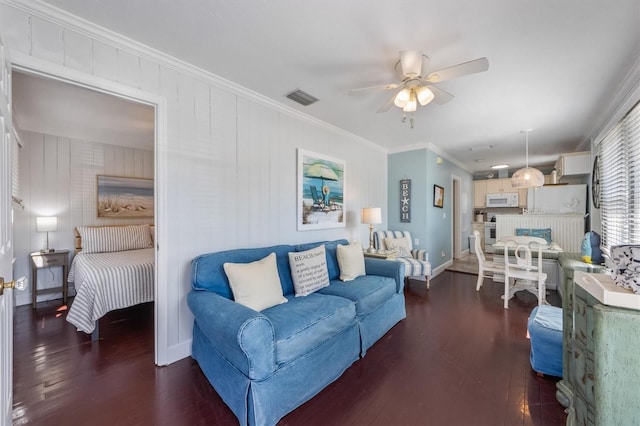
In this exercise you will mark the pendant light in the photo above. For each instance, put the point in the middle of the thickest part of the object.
(528, 177)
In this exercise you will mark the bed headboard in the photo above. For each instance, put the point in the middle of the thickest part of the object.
(78, 238)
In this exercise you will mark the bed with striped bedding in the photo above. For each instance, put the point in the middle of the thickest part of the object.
(114, 268)
(108, 281)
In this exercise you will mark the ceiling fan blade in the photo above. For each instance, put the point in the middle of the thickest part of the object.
(441, 96)
(387, 105)
(411, 62)
(378, 88)
(466, 68)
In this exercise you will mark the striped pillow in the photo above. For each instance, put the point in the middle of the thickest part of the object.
(106, 239)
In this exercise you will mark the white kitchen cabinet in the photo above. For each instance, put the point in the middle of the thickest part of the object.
(495, 186)
(479, 193)
(499, 186)
(574, 163)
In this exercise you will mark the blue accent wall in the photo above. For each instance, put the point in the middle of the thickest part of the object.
(431, 225)
(408, 165)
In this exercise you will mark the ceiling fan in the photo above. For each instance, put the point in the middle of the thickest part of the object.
(417, 84)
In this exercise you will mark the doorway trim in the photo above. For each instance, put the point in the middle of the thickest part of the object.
(456, 214)
(26, 63)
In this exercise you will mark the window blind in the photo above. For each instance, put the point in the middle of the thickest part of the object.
(619, 156)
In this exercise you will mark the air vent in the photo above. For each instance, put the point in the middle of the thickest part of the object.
(301, 97)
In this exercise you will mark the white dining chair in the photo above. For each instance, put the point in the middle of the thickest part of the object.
(484, 266)
(521, 272)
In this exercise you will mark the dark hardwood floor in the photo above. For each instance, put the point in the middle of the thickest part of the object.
(458, 359)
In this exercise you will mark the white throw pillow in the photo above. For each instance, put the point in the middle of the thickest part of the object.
(256, 284)
(350, 261)
(309, 270)
(401, 245)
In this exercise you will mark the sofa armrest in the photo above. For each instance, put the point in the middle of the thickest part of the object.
(243, 336)
(386, 268)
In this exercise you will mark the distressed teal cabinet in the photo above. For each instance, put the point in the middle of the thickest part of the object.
(603, 376)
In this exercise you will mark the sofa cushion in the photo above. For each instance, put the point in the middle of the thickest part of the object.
(309, 270)
(332, 258)
(207, 272)
(368, 292)
(255, 284)
(306, 322)
(351, 261)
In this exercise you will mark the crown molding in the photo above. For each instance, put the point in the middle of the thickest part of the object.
(446, 156)
(434, 149)
(413, 147)
(624, 98)
(66, 20)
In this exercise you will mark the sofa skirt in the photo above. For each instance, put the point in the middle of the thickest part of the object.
(265, 402)
(374, 325)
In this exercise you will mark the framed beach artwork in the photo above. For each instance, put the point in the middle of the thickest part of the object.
(124, 197)
(321, 185)
(438, 196)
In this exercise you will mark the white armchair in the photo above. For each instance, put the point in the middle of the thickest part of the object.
(416, 262)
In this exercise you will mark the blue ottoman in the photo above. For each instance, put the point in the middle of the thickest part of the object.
(545, 332)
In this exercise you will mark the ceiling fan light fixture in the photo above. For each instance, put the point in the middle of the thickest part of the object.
(412, 105)
(402, 98)
(425, 95)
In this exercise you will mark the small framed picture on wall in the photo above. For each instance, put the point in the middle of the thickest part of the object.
(438, 196)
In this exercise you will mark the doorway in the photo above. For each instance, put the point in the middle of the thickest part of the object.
(456, 231)
(119, 96)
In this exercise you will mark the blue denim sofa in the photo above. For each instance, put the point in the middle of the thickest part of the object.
(265, 364)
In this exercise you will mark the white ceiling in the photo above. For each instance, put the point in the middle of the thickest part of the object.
(554, 64)
(54, 107)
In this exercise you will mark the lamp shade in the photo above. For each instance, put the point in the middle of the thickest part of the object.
(425, 95)
(46, 223)
(412, 105)
(371, 215)
(527, 177)
(402, 98)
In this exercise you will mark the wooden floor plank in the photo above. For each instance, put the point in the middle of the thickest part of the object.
(458, 359)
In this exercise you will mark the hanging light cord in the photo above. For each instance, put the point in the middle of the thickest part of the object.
(526, 144)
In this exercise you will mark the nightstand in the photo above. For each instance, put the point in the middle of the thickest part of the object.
(381, 254)
(47, 260)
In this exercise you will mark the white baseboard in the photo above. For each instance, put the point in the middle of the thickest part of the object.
(179, 351)
(440, 269)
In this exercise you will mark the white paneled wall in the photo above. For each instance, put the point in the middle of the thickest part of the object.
(567, 230)
(226, 176)
(58, 178)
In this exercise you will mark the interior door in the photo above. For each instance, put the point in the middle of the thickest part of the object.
(6, 246)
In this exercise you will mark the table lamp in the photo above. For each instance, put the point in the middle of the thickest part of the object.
(371, 215)
(47, 224)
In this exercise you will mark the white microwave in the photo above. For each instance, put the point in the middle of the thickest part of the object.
(505, 199)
